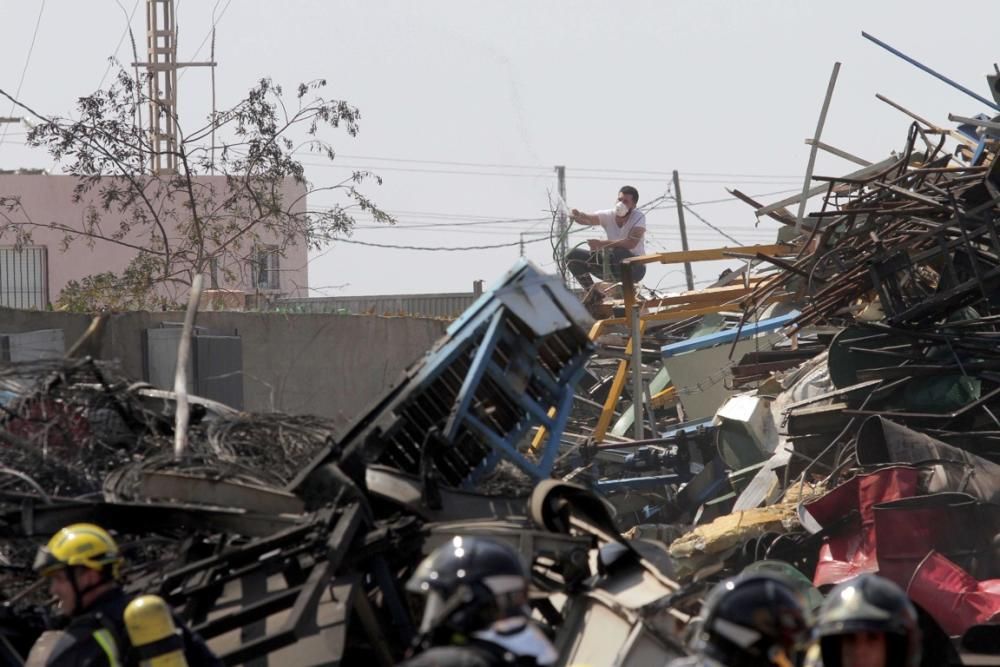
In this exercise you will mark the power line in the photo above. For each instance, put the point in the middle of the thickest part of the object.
(706, 222)
(128, 25)
(731, 198)
(469, 172)
(24, 70)
(439, 248)
(548, 169)
(461, 224)
(215, 22)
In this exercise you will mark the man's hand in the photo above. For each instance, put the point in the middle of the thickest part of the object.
(596, 244)
(579, 216)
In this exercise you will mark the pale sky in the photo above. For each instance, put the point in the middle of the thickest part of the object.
(467, 106)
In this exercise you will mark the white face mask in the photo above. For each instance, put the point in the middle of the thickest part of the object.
(621, 210)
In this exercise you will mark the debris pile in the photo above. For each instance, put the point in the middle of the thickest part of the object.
(278, 538)
(860, 433)
(831, 408)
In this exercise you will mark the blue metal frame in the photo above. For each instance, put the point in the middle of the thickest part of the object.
(729, 335)
(476, 336)
(978, 98)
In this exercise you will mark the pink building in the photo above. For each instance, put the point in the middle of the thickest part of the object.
(35, 276)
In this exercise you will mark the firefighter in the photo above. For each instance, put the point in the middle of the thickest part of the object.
(475, 594)
(750, 621)
(868, 622)
(82, 563)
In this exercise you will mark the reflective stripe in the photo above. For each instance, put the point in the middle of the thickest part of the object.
(107, 642)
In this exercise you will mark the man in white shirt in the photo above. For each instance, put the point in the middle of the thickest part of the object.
(625, 227)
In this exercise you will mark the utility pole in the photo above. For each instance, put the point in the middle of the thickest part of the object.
(161, 67)
(562, 242)
(680, 223)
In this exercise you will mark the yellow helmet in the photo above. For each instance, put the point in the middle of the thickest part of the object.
(81, 544)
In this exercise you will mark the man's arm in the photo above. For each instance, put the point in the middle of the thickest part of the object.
(584, 218)
(629, 243)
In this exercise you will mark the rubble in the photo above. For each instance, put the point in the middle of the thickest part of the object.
(829, 409)
(281, 538)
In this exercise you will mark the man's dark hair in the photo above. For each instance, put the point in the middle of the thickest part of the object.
(631, 192)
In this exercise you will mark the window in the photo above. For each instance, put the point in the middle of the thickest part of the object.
(266, 268)
(24, 278)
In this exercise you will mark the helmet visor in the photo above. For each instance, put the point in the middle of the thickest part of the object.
(45, 562)
(432, 609)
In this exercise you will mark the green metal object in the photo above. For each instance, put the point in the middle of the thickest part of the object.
(659, 382)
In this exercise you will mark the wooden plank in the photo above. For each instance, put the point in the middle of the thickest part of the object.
(711, 254)
(718, 295)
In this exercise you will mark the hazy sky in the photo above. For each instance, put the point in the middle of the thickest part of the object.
(468, 105)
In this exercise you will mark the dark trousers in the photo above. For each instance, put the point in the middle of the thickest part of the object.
(583, 263)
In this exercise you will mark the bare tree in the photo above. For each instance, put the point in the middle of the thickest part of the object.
(182, 224)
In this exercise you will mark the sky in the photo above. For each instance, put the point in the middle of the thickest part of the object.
(467, 106)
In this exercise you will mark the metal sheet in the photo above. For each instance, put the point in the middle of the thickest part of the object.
(701, 376)
(32, 345)
(219, 492)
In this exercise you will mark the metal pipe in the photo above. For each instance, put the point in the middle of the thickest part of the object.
(927, 69)
(814, 147)
(989, 125)
(637, 392)
(182, 410)
(688, 275)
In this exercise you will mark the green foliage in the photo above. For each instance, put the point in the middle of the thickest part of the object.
(108, 291)
(182, 224)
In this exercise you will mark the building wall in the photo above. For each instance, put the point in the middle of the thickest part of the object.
(49, 198)
(329, 365)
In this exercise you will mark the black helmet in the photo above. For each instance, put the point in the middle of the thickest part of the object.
(870, 603)
(469, 583)
(748, 620)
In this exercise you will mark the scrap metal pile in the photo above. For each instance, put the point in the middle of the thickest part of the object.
(858, 428)
(281, 541)
(831, 408)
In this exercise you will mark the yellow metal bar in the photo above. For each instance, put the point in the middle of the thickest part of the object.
(730, 294)
(665, 398)
(615, 393)
(539, 438)
(595, 330)
(711, 295)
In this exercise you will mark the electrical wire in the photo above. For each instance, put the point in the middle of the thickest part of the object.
(470, 172)
(439, 248)
(121, 40)
(706, 222)
(215, 22)
(547, 169)
(732, 198)
(24, 70)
